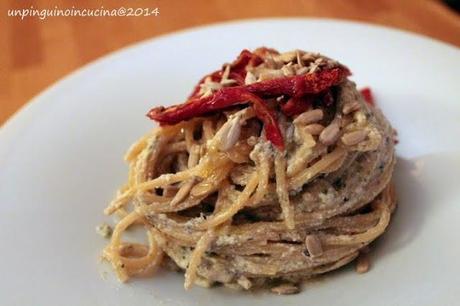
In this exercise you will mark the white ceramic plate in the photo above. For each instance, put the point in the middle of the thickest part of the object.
(61, 161)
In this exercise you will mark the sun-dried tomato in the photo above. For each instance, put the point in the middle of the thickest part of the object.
(301, 89)
(296, 105)
(237, 70)
(222, 99)
(367, 95)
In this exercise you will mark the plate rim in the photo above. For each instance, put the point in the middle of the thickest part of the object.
(34, 102)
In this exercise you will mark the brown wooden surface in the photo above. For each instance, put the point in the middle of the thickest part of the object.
(35, 53)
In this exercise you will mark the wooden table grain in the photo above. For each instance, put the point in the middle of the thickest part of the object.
(36, 52)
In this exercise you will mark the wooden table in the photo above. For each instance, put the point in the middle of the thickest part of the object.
(37, 52)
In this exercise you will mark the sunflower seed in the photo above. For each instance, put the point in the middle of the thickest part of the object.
(229, 133)
(314, 128)
(288, 70)
(308, 57)
(302, 70)
(330, 134)
(299, 58)
(309, 117)
(285, 289)
(350, 107)
(286, 56)
(352, 138)
(362, 263)
(250, 78)
(313, 245)
(244, 282)
(270, 74)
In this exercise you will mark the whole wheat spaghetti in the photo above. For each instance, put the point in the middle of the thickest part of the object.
(275, 169)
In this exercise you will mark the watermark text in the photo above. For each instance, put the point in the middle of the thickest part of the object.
(32, 12)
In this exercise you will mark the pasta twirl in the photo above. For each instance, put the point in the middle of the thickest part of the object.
(274, 170)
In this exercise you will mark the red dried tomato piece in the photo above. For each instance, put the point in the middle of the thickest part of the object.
(296, 105)
(222, 99)
(292, 86)
(237, 70)
(245, 59)
(237, 77)
(300, 85)
(295, 87)
(216, 76)
(367, 95)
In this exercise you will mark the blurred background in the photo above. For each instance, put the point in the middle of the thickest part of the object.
(37, 52)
